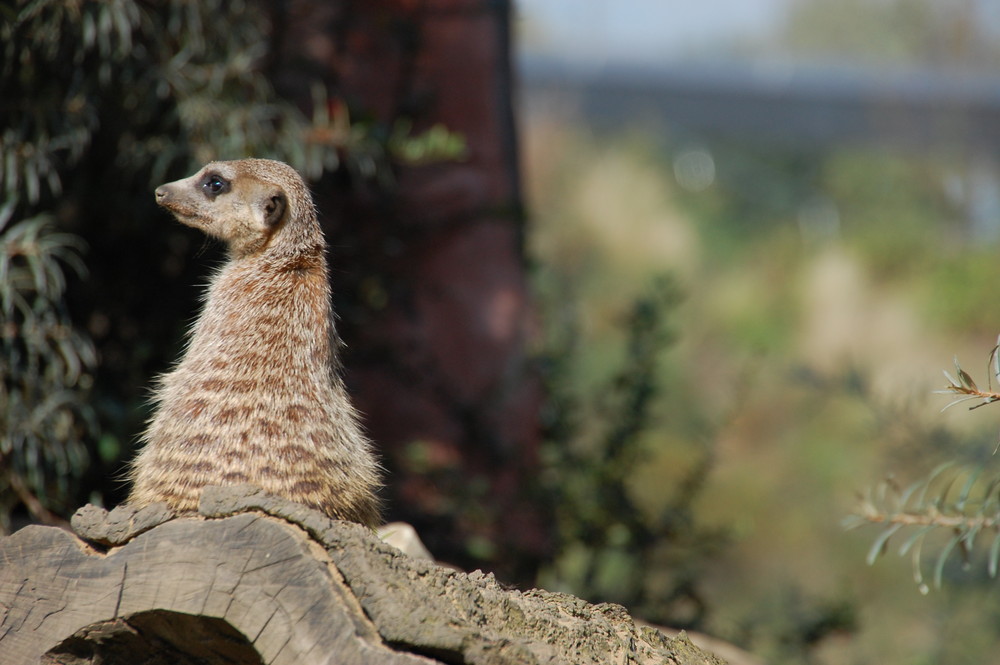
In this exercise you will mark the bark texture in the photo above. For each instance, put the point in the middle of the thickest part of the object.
(256, 579)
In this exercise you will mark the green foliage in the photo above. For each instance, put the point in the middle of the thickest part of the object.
(188, 79)
(755, 192)
(370, 148)
(803, 349)
(433, 145)
(797, 623)
(182, 82)
(890, 33)
(952, 500)
(885, 205)
(889, 205)
(44, 371)
(608, 547)
(959, 283)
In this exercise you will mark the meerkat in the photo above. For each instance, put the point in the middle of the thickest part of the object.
(257, 397)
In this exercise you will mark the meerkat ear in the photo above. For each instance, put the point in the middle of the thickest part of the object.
(274, 207)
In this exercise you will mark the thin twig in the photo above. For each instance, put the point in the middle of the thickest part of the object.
(932, 519)
(986, 396)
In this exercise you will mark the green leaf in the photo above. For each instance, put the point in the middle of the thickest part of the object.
(6, 211)
(938, 470)
(878, 547)
(89, 30)
(904, 498)
(989, 497)
(943, 557)
(963, 495)
(917, 535)
(853, 522)
(969, 540)
(994, 555)
(942, 497)
(918, 576)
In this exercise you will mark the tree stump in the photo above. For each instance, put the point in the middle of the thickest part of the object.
(257, 579)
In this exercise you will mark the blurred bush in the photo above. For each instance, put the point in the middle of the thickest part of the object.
(44, 373)
(609, 545)
(821, 288)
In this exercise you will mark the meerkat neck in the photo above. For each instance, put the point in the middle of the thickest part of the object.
(291, 311)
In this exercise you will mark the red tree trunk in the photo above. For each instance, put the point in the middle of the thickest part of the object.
(430, 275)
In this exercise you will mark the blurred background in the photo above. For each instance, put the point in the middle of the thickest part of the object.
(818, 180)
(639, 296)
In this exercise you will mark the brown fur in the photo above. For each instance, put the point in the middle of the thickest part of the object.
(257, 397)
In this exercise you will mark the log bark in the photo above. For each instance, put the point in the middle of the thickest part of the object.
(257, 579)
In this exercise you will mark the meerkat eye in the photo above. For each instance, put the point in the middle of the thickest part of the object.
(214, 184)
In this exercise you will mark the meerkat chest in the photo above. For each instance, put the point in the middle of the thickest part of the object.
(271, 327)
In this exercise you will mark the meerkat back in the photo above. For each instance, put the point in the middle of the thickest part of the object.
(257, 397)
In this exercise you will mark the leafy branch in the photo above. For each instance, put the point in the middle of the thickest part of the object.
(933, 505)
(930, 506)
(45, 366)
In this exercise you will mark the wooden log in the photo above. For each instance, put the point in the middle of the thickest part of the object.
(257, 579)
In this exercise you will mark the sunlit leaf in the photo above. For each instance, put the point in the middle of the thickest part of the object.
(951, 380)
(964, 398)
(967, 380)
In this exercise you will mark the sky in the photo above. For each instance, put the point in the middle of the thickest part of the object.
(596, 31)
(669, 32)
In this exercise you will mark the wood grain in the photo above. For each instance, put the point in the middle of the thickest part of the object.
(263, 578)
(253, 579)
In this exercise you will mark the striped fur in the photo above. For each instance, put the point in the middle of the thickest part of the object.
(257, 397)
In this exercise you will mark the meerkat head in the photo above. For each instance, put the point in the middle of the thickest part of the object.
(246, 203)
